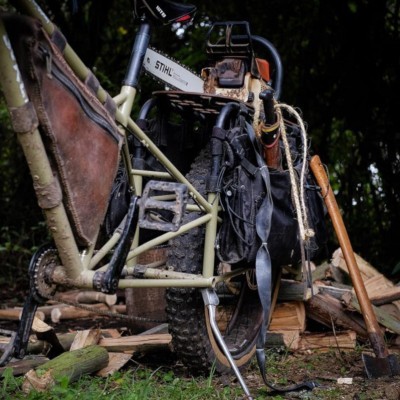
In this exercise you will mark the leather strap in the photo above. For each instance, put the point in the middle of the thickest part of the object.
(264, 270)
(59, 39)
(24, 118)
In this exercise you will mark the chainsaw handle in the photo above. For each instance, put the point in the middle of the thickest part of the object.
(277, 71)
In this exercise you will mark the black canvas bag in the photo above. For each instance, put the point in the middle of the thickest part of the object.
(243, 191)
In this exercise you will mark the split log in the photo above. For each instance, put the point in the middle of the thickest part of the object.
(41, 346)
(379, 286)
(391, 310)
(328, 271)
(290, 290)
(384, 318)
(46, 333)
(88, 337)
(380, 291)
(147, 302)
(329, 311)
(46, 310)
(21, 367)
(87, 297)
(322, 272)
(288, 316)
(334, 291)
(366, 269)
(14, 314)
(72, 364)
(70, 312)
(162, 328)
(322, 342)
(91, 297)
(115, 363)
(65, 339)
(110, 333)
(131, 344)
(289, 339)
(294, 341)
(389, 295)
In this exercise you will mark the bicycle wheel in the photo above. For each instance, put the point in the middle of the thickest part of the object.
(239, 314)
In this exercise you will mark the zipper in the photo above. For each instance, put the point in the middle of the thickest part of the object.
(52, 70)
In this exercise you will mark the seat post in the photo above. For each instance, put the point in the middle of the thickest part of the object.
(140, 46)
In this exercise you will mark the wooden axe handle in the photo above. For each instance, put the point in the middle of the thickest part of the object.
(374, 331)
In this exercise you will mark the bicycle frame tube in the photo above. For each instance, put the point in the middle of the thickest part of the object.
(34, 151)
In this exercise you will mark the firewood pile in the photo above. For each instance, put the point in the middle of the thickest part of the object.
(305, 319)
(331, 306)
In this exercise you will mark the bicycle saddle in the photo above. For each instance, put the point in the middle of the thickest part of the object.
(164, 11)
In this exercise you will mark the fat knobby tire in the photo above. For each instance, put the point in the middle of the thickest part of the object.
(192, 341)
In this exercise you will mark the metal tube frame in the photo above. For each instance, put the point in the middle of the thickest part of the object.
(79, 265)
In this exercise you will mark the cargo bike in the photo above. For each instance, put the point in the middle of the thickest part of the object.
(214, 170)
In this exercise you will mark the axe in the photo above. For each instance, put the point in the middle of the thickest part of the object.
(383, 364)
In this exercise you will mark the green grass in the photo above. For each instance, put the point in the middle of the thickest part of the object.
(172, 381)
(138, 384)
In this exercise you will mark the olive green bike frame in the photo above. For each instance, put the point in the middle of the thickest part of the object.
(78, 265)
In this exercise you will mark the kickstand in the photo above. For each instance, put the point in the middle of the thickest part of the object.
(211, 300)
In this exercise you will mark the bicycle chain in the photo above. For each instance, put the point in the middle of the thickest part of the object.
(48, 291)
(106, 313)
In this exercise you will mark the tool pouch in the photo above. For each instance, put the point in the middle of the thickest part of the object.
(242, 193)
(78, 131)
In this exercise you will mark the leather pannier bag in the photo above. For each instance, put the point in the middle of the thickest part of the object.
(78, 131)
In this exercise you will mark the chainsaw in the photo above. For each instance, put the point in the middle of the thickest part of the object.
(234, 70)
(234, 73)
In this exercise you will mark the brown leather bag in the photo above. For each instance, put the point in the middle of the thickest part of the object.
(79, 133)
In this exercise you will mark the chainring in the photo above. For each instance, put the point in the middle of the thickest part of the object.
(42, 265)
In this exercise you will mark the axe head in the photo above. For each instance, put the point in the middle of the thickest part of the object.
(376, 367)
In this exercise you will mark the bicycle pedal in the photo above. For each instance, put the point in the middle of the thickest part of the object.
(163, 205)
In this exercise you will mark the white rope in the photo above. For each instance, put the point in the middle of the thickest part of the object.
(299, 198)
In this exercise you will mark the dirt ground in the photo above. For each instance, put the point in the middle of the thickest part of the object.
(283, 368)
(328, 369)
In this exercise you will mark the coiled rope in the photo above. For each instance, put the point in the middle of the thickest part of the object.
(298, 193)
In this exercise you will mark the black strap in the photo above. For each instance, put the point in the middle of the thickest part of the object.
(264, 270)
(59, 39)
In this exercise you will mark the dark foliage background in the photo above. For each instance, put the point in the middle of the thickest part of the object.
(341, 61)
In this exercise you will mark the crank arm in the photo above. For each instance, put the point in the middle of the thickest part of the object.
(19, 340)
(107, 282)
